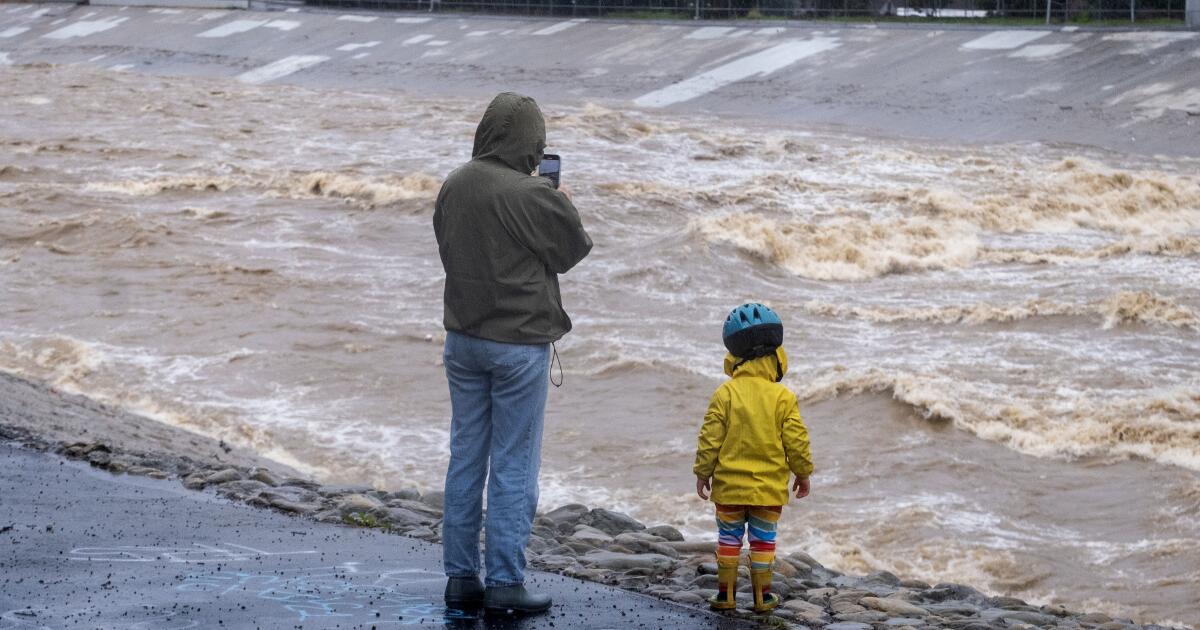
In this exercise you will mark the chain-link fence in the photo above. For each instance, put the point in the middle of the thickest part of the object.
(977, 11)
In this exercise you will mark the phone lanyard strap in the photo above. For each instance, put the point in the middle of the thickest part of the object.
(554, 359)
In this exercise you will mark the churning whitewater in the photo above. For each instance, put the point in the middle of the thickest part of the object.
(996, 345)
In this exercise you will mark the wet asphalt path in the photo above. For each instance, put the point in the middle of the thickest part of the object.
(81, 548)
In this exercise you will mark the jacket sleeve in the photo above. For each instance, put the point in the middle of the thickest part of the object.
(712, 434)
(547, 223)
(795, 440)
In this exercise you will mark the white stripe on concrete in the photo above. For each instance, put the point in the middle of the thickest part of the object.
(282, 25)
(281, 68)
(412, 20)
(360, 55)
(760, 63)
(121, 67)
(83, 28)
(561, 26)
(366, 19)
(291, 10)
(40, 12)
(710, 32)
(4, 60)
(478, 33)
(1004, 40)
(232, 28)
(1039, 51)
(353, 47)
(767, 32)
(438, 42)
(14, 31)
(417, 39)
(97, 58)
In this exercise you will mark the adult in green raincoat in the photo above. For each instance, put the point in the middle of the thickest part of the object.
(504, 235)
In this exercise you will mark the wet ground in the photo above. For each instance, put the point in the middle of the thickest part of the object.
(83, 548)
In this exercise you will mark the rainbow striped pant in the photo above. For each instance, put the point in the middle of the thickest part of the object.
(732, 523)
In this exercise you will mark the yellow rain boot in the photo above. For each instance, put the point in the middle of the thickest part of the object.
(764, 600)
(727, 574)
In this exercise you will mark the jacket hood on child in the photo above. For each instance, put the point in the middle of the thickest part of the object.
(762, 367)
(753, 438)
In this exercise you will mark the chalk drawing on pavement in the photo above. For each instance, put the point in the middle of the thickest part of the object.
(197, 552)
(346, 592)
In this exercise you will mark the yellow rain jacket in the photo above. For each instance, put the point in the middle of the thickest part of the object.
(753, 435)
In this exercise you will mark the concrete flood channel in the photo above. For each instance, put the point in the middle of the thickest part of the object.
(1131, 90)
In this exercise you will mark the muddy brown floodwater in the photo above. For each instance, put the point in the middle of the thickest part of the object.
(997, 345)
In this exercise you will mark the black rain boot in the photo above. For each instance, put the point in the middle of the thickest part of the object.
(464, 593)
(515, 599)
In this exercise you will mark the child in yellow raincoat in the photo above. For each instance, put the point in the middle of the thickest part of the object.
(752, 438)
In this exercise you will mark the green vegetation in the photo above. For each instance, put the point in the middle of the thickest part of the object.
(365, 520)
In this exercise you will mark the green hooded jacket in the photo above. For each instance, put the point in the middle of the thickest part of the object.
(504, 235)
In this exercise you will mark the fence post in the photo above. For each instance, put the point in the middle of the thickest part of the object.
(1048, 11)
(1192, 13)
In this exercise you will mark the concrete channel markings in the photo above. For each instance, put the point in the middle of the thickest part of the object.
(760, 63)
(281, 68)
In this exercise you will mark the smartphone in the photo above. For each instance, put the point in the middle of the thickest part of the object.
(550, 167)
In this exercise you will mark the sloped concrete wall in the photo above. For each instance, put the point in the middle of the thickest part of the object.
(1133, 90)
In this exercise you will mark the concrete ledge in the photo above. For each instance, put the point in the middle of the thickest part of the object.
(175, 4)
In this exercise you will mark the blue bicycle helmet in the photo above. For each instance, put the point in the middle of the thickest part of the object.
(752, 331)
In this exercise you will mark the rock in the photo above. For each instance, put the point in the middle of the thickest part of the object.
(265, 476)
(687, 547)
(420, 507)
(953, 608)
(328, 516)
(570, 513)
(866, 616)
(845, 608)
(335, 491)
(662, 549)
(904, 621)
(579, 547)
(117, 466)
(1024, 616)
(1009, 603)
(195, 481)
(625, 561)
(666, 532)
(555, 562)
(591, 536)
(916, 585)
(435, 500)
(146, 471)
(705, 581)
(1096, 618)
(297, 482)
(99, 458)
(850, 596)
(1058, 610)
(848, 625)
(423, 533)
(799, 557)
(611, 523)
(286, 505)
(684, 597)
(223, 476)
(944, 591)
(537, 544)
(800, 605)
(882, 577)
(894, 607)
(1113, 625)
(707, 568)
(407, 494)
(241, 489)
(360, 503)
(404, 518)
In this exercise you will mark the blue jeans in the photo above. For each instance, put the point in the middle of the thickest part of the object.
(497, 396)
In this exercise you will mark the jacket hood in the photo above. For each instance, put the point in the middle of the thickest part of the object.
(762, 367)
(512, 131)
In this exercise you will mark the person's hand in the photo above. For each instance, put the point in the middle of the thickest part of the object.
(566, 190)
(800, 487)
(703, 486)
